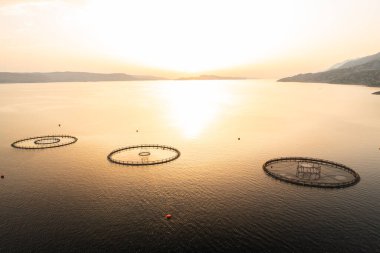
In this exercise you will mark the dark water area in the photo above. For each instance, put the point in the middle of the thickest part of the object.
(72, 199)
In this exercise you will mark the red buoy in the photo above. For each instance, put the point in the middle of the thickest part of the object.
(168, 216)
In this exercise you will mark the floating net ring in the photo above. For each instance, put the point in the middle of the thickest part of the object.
(146, 154)
(45, 141)
(42, 142)
(313, 172)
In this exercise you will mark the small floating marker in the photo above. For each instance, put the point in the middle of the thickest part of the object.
(59, 125)
(2, 176)
(239, 138)
(168, 216)
(137, 130)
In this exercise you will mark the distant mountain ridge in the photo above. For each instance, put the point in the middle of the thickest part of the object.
(356, 62)
(67, 76)
(364, 71)
(37, 77)
(210, 77)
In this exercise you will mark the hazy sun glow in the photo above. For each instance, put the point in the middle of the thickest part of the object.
(188, 36)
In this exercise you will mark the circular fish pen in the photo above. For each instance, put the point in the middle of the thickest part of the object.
(42, 142)
(313, 172)
(146, 154)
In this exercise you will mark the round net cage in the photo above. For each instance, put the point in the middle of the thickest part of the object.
(146, 154)
(311, 172)
(42, 142)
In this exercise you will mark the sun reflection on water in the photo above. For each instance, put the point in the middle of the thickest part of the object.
(194, 105)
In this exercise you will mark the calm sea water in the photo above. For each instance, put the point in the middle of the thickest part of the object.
(72, 199)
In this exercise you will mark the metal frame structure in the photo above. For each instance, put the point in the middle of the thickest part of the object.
(308, 171)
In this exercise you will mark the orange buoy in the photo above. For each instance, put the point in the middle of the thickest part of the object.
(168, 216)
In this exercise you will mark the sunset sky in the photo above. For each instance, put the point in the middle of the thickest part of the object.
(172, 38)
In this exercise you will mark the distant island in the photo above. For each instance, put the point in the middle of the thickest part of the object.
(376, 93)
(67, 76)
(364, 71)
(37, 77)
(210, 77)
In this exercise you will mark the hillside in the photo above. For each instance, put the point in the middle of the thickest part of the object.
(364, 71)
